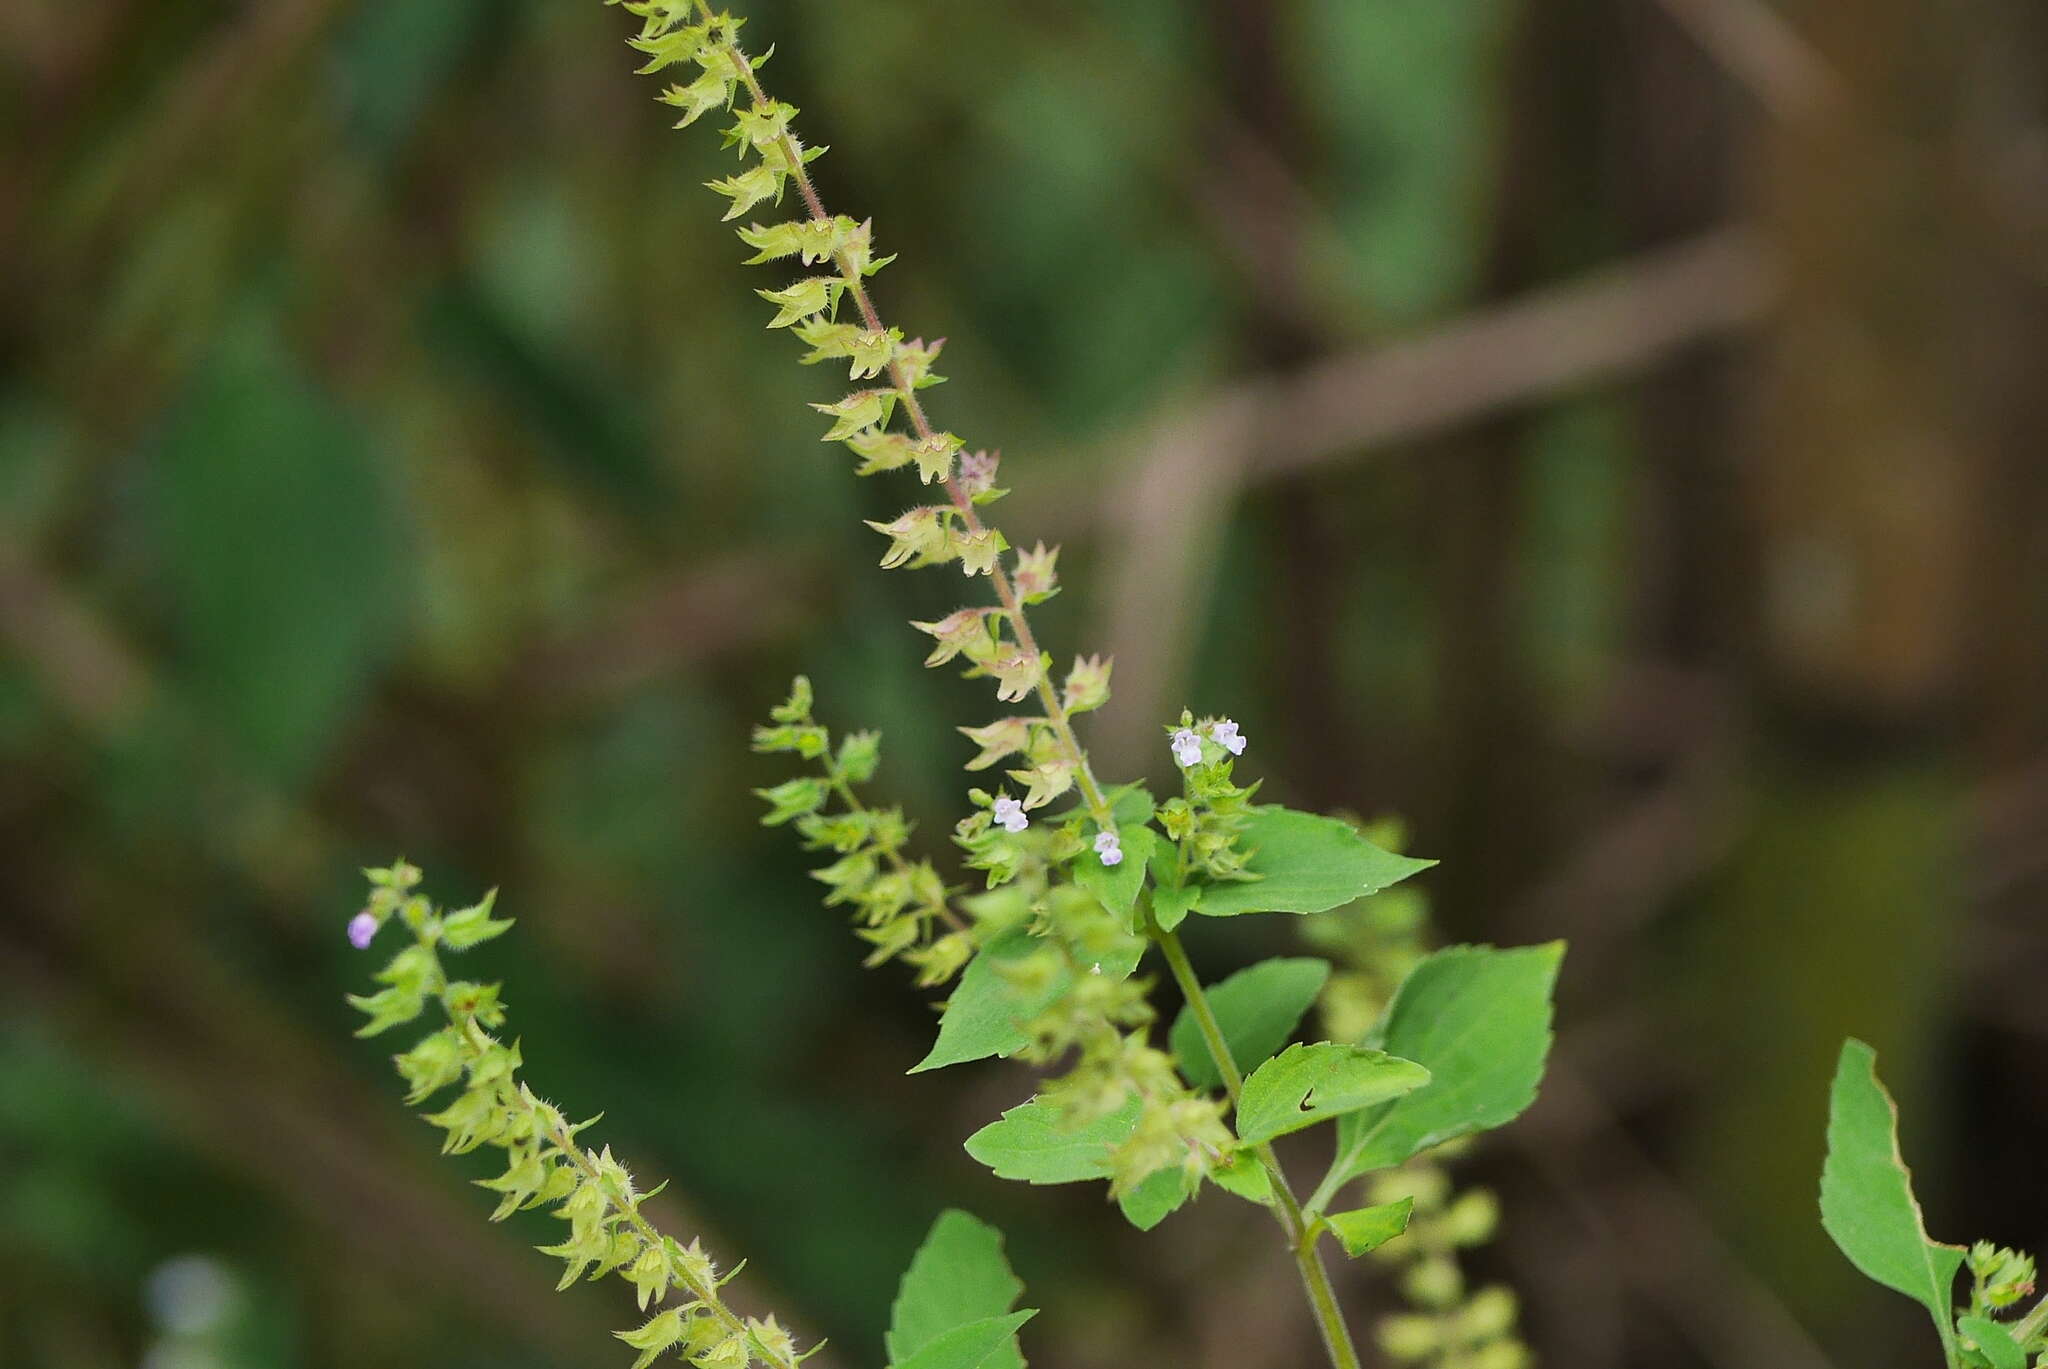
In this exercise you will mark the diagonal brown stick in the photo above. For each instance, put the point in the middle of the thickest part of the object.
(1160, 527)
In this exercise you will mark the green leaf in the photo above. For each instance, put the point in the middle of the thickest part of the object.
(958, 1277)
(1118, 885)
(1154, 1200)
(1030, 1144)
(1478, 1019)
(1368, 1228)
(1171, 900)
(1310, 864)
(1866, 1194)
(1995, 1341)
(1303, 1085)
(1170, 907)
(1258, 1009)
(982, 1015)
(971, 1346)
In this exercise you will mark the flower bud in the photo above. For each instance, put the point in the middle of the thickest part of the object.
(998, 739)
(1035, 575)
(963, 630)
(1087, 685)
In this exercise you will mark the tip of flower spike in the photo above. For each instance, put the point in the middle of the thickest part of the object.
(361, 929)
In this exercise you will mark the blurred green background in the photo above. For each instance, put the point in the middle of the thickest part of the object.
(1610, 433)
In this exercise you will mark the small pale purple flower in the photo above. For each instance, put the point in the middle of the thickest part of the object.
(1110, 847)
(1224, 734)
(1187, 747)
(1009, 814)
(361, 928)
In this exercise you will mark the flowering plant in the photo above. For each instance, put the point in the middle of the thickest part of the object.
(1074, 883)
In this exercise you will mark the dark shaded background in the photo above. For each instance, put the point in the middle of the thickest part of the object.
(1608, 432)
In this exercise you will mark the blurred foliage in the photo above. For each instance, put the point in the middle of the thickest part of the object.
(391, 460)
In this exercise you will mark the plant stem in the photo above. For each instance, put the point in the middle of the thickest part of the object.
(1301, 1234)
(920, 423)
(549, 1124)
(2032, 1324)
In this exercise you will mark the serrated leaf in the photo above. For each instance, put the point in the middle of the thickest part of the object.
(1994, 1341)
(982, 1016)
(1258, 1009)
(1309, 864)
(1306, 1084)
(1478, 1019)
(1117, 885)
(969, 1346)
(958, 1277)
(1157, 1198)
(1367, 1228)
(1030, 1144)
(1866, 1194)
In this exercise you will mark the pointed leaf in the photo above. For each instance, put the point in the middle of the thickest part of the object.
(1310, 864)
(982, 1016)
(969, 1346)
(1258, 1009)
(1866, 1194)
(1303, 1085)
(1368, 1228)
(957, 1277)
(1032, 1144)
(1479, 1020)
(1157, 1198)
(1994, 1341)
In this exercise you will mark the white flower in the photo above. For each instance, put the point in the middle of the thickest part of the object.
(1187, 747)
(1109, 847)
(1224, 734)
(1010, 814)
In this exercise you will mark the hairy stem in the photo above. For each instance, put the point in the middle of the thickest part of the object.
(1301, 1234)
(920, 423)
(2032, 1324)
